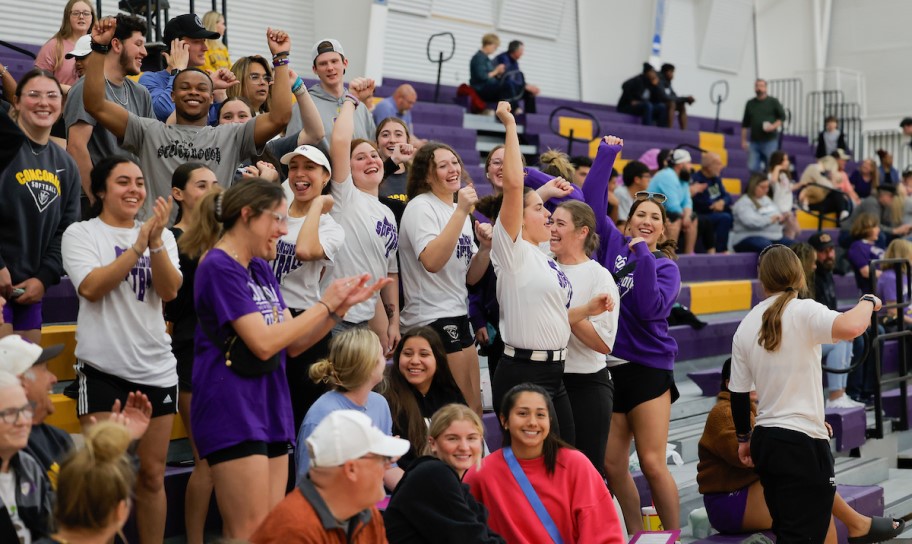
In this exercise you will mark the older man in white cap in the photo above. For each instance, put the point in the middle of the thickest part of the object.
(337, 500)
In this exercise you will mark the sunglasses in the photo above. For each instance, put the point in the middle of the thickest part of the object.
(658, 198)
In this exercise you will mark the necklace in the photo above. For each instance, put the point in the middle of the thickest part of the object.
(126, 95)
(32, 148)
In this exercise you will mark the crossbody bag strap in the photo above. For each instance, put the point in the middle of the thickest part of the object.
(543, 516)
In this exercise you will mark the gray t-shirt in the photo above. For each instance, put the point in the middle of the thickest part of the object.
(625, 201)
(131, 95)
(162, 148)
(329, 106)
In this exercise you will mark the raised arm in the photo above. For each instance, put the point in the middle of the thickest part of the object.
(595, 194)
(110, 115)
(340, 143)
(853, 323)
(511, 211)
(313, 130)
(274, 122)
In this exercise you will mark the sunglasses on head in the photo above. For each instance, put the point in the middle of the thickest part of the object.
(767, 248)
(655, 197)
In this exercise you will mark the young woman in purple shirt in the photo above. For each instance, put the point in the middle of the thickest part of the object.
(644, 353)
(243, 424)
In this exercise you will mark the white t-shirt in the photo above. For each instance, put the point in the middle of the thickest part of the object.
(588, 280)
(300, 280)
(533, 292)
(430, 296)
(371, 241)
(8, 498)
(122, 334)
(788, 379)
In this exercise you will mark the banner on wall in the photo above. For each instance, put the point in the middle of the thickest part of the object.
(658, 27)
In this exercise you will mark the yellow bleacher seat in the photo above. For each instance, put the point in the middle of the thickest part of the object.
(715, 143)
(582, 128)
(62, 365)
(808, 221)
(64, 417)
(720, 296)
(732, 185)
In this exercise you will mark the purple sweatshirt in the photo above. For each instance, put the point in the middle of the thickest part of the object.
(647, 293)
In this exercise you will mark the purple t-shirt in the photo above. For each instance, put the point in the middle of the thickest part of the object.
(886, 290)
(648, 293)
(227, 408)
(860, 254)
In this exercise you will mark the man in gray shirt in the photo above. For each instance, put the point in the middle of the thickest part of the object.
(87, 142)
(162, 148)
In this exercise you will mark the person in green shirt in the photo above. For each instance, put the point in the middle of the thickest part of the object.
(763, 118)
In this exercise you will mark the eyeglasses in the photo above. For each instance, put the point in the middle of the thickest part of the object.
(257, 77)
(496, 162)
(281, 219)
(12, 415)
(36, 95)
(658, 198)
(85, 14)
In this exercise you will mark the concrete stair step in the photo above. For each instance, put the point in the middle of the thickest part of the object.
(855, 471)
(486, 123)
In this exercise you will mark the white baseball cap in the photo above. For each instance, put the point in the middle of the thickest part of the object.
(82, 48)
(680, 156)
(311, 153)
(326, 45)
(344, 435)
(18, 355)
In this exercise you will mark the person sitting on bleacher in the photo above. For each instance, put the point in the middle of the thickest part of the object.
(636, 178)
(883, 205)
(712, 204)
(25, 494)
(674, 102)
(485, 76)
(515, 80)
(87, 141)
(865, 178)
(865, 233)
(185, 37)
(398, 105)
(830, 138)
(673, 181)
(641, 96)
(887, 173)
(217, 53)
(78, 18)
(781, 191)
(79, 54)
(886, 287)
(757, 219)
(905, 189)
(732, 492)
(841, 180)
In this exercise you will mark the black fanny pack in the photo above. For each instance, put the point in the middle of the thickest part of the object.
(240, 359)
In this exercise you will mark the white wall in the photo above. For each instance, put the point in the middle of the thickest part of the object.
(616, 38)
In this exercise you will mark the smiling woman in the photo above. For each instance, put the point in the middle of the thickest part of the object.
(78, 17)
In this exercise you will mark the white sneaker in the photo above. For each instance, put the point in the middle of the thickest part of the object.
(855, 402)
(842, 402)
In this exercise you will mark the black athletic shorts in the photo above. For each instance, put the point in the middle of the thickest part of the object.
(98, 390)
(455, 332)
(635, 384)
(246, 449)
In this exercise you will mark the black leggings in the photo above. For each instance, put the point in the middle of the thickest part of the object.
(549, 375)
(591, 398)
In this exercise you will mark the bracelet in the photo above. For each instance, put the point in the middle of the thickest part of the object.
(333, 315)
(744, 438)
(138, 252)
(154, 250)
(280, 54)
(280, 62)
(353, 98)
(100, 48)
(296, 86)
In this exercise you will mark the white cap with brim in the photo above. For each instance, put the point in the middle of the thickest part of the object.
(309, 152)
(326, 45)
(82, 49)
(680, 156)
(344, 435)
(18, 355)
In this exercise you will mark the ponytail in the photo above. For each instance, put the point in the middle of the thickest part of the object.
(782, 275)
(771, 328)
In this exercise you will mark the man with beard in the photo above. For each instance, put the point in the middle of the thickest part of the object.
(87, 142)
(673, 181)
(161, 147)
(763, 117)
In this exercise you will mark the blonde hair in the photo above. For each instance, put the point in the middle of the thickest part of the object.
(898, 249)
(490, 38)
(210, 21)
(557, 163)
(352, 359)
(583, 216)
(93, 481)
(66, 31)
(781, 274)
(446, 416)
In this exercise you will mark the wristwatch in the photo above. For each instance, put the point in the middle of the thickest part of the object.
(175, 72)
(870, 298)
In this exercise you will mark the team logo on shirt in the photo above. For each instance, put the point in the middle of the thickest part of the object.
(187, 151)
(139, 278)
(563, 280)
(464, 249)
(387, 230)
(625, 284)
(286, 259)
(44, 185)
(267, 301)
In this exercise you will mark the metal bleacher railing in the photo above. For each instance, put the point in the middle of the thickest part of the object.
(808, 112)
(570, 134)
(890, 140)
(441, 57)
(904, 336)
(156, 14)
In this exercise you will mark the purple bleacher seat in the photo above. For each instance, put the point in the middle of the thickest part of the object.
(696, 344)
(684, 296)
(61, 305)
(889, 356)
(493, 431)
(892, 403)
(16, 62)
(643, 488)
(848, 427)
(702, 267)
(709, 381)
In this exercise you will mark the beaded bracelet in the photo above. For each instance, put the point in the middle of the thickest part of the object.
(154, 250)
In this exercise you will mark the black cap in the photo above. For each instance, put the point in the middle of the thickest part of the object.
(821, 241)
(905, 122)
(187, 26)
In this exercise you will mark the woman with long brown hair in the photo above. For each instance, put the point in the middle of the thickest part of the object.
(78, 18)
(777, 347)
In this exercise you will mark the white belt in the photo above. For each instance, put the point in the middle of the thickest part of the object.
(542, 355)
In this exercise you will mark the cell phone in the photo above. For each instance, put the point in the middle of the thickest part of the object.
(241, 170)
(17, 293)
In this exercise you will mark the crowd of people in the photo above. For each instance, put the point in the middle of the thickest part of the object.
(249, 252)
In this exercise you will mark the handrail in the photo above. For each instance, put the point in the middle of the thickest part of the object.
(718, 99)
(18, 49)
(820, 215)
(904, 335)
(440, 60)
(596, 126)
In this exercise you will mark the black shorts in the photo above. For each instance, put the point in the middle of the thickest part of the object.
(247, 449)
(635, 384)
(183, 352)
(454, 332)
(98, 390)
